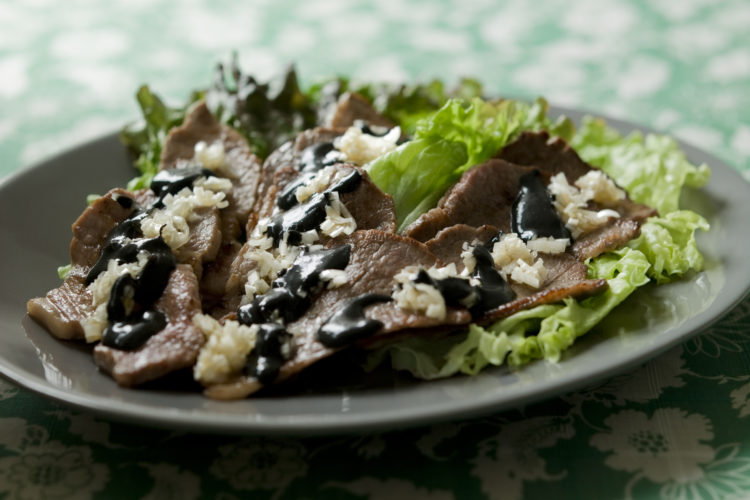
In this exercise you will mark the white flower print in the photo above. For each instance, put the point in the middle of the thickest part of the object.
(389, 489)
(90, 428)
(720, 338)
(172, 483)
(17, 435)
(729, 335)
(260, 463)
(7, 391)
(741, 400)
(370, 447)
(644, 384)
(511, 457)
(437, 434)
(727, 477)
(669, 446)
(55, 471)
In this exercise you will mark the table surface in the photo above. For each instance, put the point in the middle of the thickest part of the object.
(678, 427)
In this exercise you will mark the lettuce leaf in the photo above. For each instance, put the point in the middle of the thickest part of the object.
(541, 332)
(267, 114)
(416, 189)
(652, 169)
(403, 104)
(669, 244)
(145, 138)
(470, 131)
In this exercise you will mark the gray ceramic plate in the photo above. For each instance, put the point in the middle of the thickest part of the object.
(38, 205)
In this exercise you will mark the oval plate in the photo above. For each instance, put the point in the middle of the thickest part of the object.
(38, 205)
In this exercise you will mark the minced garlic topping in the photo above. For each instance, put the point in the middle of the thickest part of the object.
(338, 218)
(516, 260)
(101, 288)
(316, 184)
(269, 260)
(171, 222)
(360, 148)
(571, 201)
(210, 156)
(225, 351)
(422, 297)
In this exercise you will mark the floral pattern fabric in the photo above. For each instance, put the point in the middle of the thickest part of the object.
(676, 428)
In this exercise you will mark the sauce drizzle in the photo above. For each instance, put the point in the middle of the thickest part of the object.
(314, 157)
(130, 305)
(349, 323)
(286, 301)
(533, 214)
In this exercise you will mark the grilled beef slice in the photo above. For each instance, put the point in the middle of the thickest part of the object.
(376, 256)
(288, 155)
(352, 107)
(368, 205)
(483, 195)
(549, 155)
(566, 275)
(175, 347)
(241, 166)
(555, 155)
(62, 309)
(447, 244)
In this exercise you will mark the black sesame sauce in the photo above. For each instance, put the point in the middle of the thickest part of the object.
(290, 294)
(288, 197)
(297, 219)
(376, 130)
(267, 356)
(369, 129)
(533, 213)
(316, 157)
(349, 323)
(492, 291)
(456, 291)
(287, 301)
(130, 306)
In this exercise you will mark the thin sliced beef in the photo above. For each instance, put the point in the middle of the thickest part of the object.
(352, 107)
(241, 166)
(549, 155)
(266, 205)
(484, 195)
(175, 347)
(62, 309)
(367, 203)
(376, 256)
(213, 282)
(566, 275)
(204, 241)
(555, 155)
(605, 238)
(447, 244)
(576, 290)
(290, 153)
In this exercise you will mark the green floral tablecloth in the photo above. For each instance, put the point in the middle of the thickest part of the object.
(678, 427)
